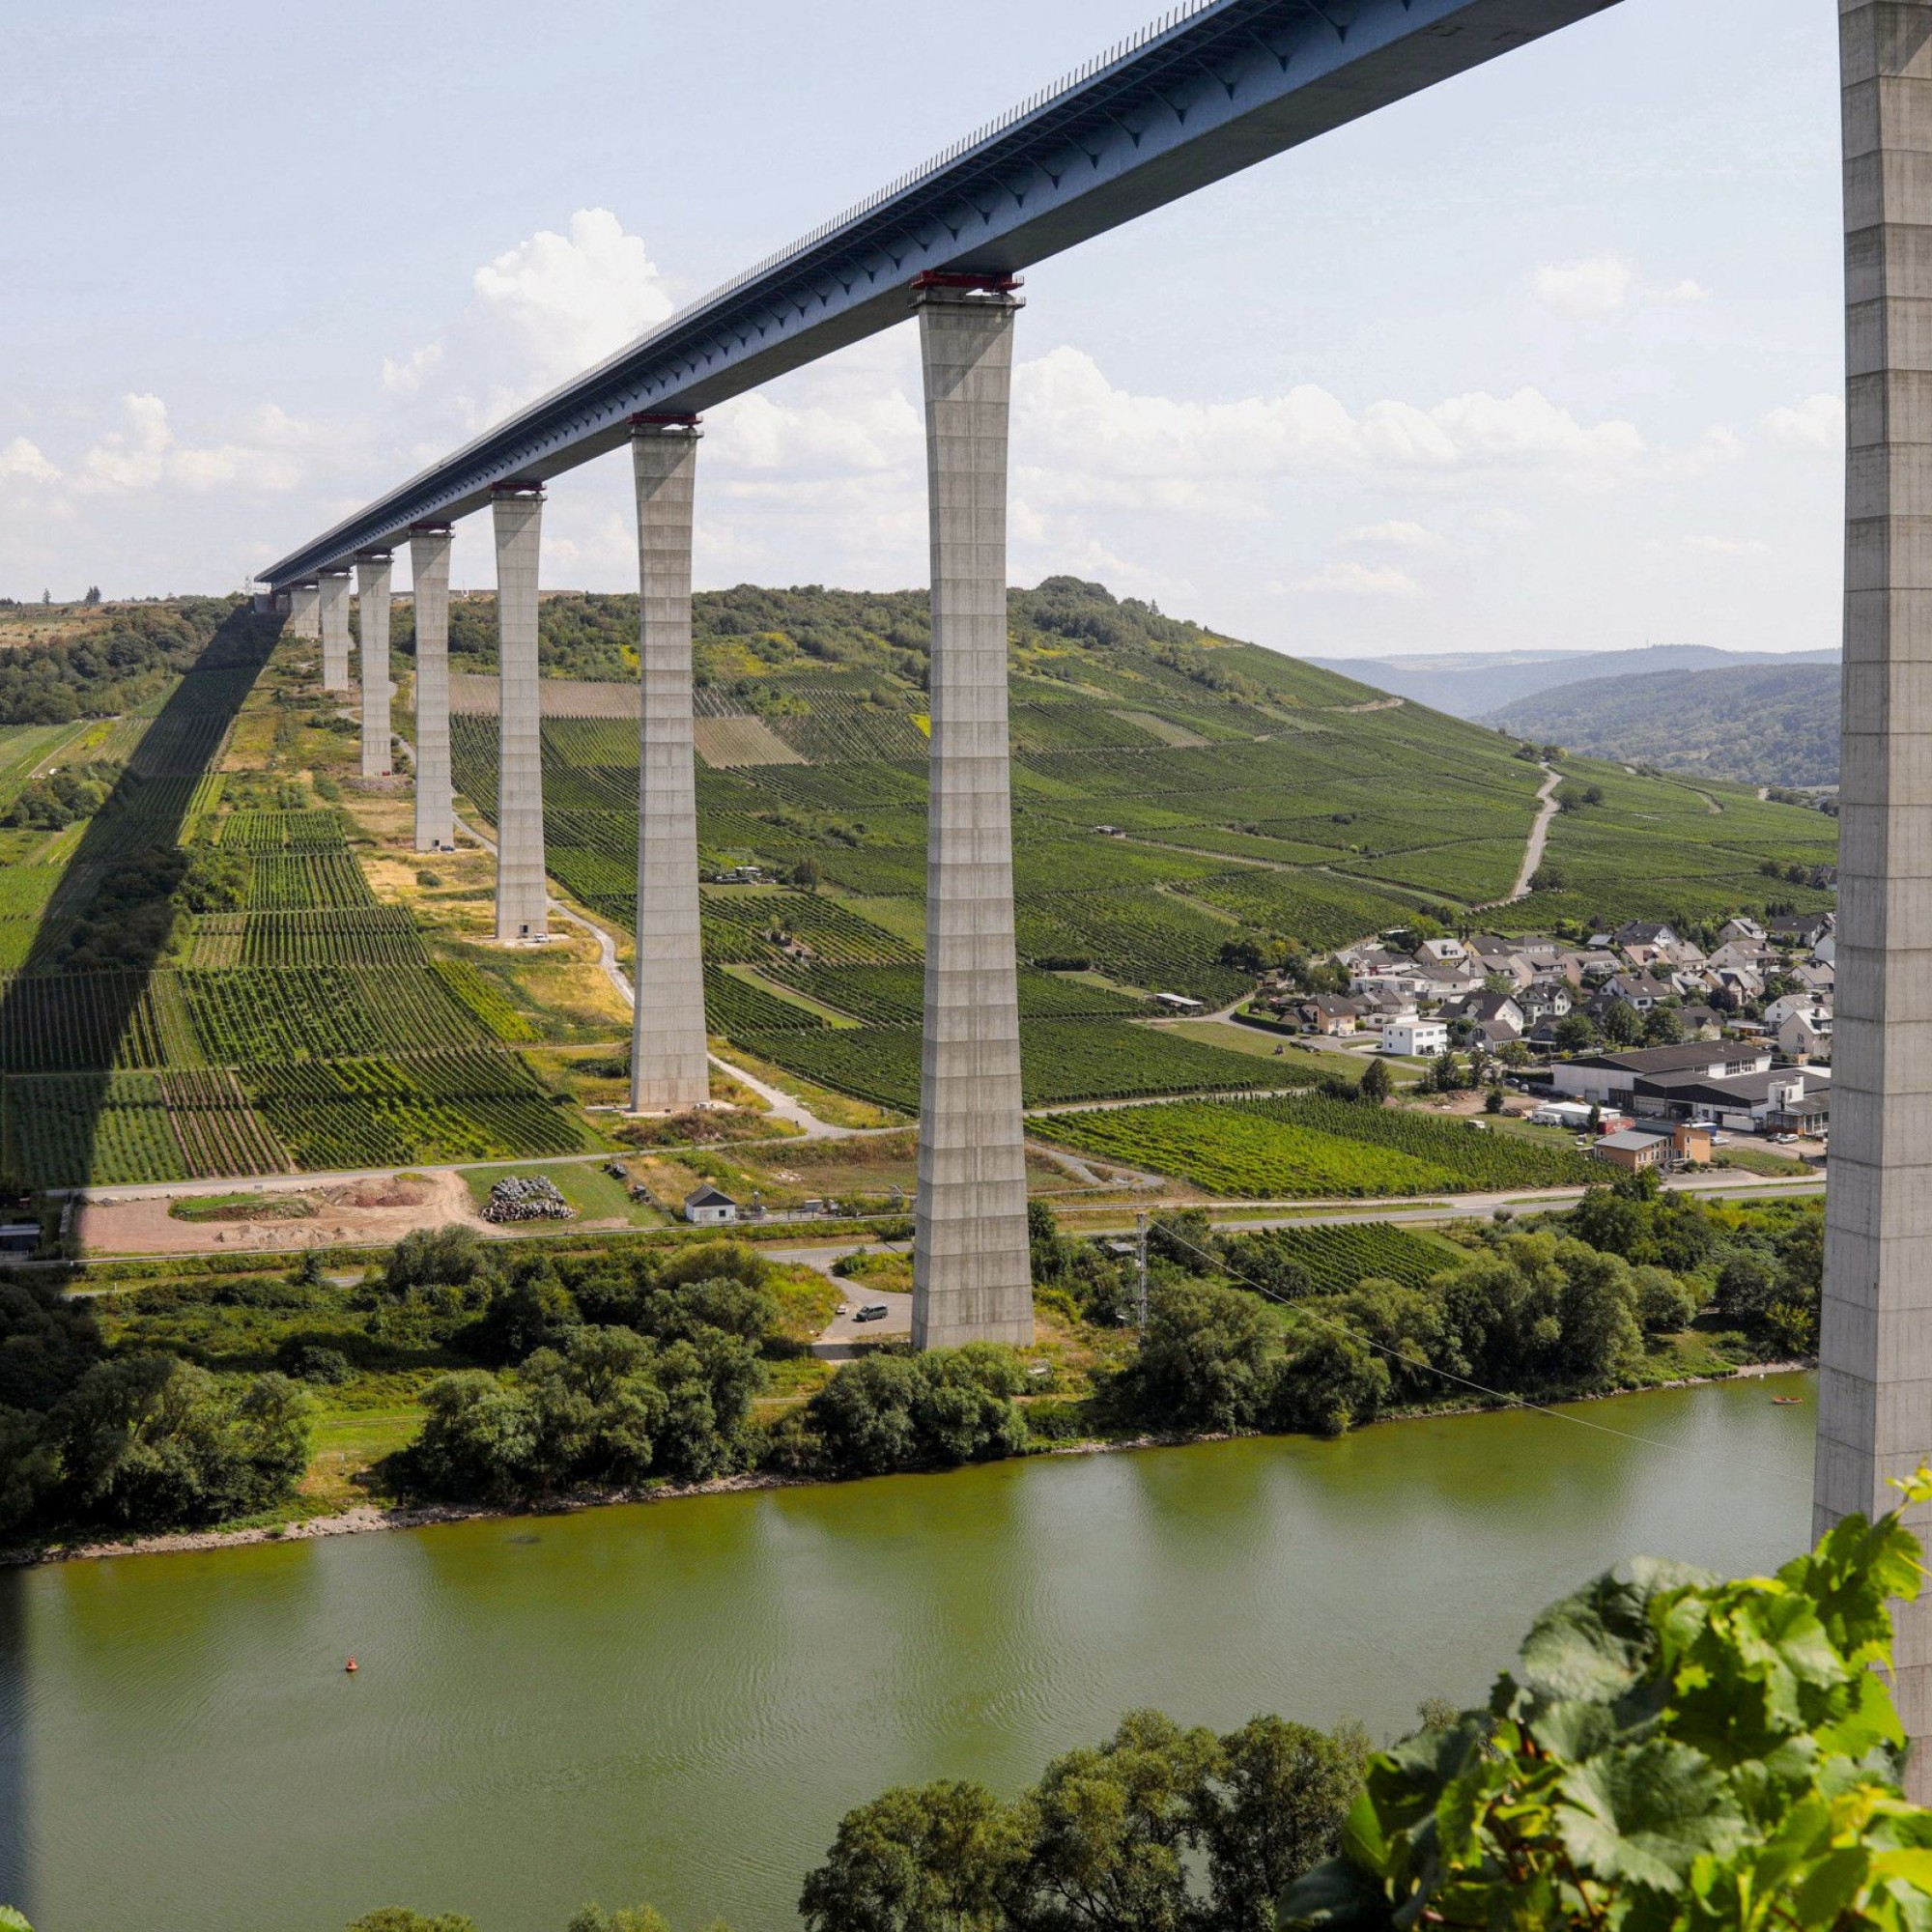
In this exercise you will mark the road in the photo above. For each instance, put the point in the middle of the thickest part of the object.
(781, 1106)
(1539, 837)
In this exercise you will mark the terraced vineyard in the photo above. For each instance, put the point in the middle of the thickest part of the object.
(1309, 1147)
(1060, 1060)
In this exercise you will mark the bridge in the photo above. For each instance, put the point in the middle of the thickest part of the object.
(1213, 87)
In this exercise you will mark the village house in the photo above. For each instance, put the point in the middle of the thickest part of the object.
(1327, 1013)
(1420, 1040)
(1806, 1034)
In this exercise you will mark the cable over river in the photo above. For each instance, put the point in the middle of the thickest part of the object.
(675, 1702)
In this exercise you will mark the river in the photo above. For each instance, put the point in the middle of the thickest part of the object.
(675, 1702)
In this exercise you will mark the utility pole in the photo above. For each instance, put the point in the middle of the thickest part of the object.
(1140, 1271)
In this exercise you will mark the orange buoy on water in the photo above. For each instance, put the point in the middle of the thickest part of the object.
(352, 1667)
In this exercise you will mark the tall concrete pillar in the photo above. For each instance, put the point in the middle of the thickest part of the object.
(332, 620)
(372, 588)
(429, 578)
(1875, 1381)
(523, 894)
(669, 1064)
(305, 611)
(971, 1275)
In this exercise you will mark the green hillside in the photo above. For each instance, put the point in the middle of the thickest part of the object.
(1763, 724)
(1249, 793)
(219, 954)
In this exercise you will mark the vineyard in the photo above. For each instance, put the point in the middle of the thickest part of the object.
(434, 1107)
(1059, 1060)
(1309, 1147)
(1332, 1261)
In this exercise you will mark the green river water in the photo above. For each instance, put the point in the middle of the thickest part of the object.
(675, 1702)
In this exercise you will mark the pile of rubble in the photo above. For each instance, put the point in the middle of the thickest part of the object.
(527, 1198)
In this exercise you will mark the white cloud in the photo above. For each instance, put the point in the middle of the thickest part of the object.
(1084, 441)
(1818, 422)
(1598, 285)
(1686, 291)
(1397, 534)
(404, 377)
(21, 461)
(263, 454)
(1359, 579)
(1713, 546)
(572, 299)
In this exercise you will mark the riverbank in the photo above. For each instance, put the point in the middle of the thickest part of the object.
(364, 1518)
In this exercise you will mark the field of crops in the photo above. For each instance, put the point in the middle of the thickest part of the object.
(749, 927)
(1331, 1261)
(431, 1108)
(307, 882)
(375, 935)
(63, 1130)
(281, 832)
(741, 1011)
(80, 1022)
(1060, 1060)
(323, 1013)
(1309, 1147)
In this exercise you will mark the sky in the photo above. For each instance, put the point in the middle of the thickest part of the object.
(1548, 357)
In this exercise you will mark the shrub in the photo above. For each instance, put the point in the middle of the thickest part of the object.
(892, 1411)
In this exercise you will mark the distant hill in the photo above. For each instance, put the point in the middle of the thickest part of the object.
(1477, 684)
(1760, 725)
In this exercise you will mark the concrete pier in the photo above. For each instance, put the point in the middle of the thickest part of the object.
(1875, 1381)
(972, 1280)
(669, 1064)
(305, 611)
(429, 581)
(522, 892)
(332, 620)
(372, 593)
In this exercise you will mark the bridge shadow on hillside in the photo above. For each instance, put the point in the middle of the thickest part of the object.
(84, 1000)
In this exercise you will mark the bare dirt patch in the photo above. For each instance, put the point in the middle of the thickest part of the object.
(353, 1213)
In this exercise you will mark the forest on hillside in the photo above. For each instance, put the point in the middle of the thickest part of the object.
(1761, 725)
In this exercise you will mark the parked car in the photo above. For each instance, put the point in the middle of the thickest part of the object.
(874, 1311)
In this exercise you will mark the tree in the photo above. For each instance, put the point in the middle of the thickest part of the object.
(151, 1440)
(1492, 1100)
(398, 1919)
(1672, 1755)
(1331, 1383)
(947, 1406)
(1445, 1072)
(1661, 1027)
(932, 1859)
(1206, 1361)
(433, 1258)
(1376, 1083)
(804, 874)
(1107, 1830)
(1271, 1810)
(1575, 1033)
(1621, 1024)
(93, 596)
(629, 1919)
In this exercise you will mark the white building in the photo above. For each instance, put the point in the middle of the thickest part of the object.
(1420, 1040)
(707, 1206)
